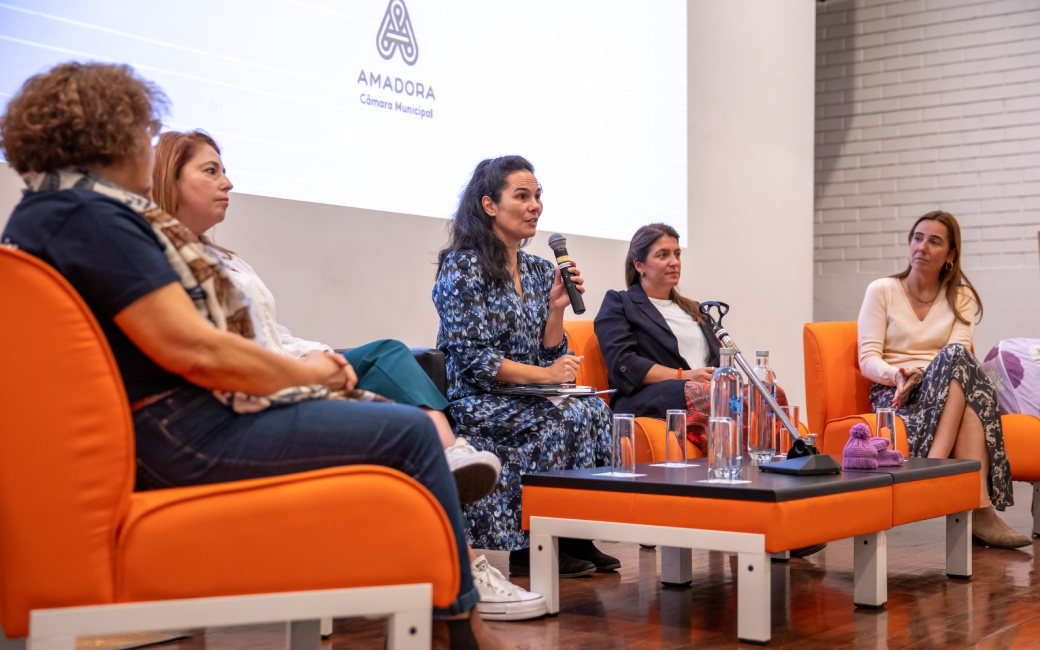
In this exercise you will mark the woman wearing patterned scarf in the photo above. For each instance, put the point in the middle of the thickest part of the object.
(179, 330)
(190, 183)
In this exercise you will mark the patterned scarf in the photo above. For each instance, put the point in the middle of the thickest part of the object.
(202, 276)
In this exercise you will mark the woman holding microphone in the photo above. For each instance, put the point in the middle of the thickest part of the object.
(501, 322)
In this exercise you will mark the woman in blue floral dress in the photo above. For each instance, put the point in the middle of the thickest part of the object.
(501, 312)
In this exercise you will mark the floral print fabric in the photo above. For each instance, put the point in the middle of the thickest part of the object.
(1013, 365)
(925, 405)
(698, 411)
(483, 322)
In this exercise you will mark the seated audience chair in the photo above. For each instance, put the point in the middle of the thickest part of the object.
(81, 553)
(838, 397)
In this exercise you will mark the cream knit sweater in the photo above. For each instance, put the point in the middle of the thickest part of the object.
(891, 336)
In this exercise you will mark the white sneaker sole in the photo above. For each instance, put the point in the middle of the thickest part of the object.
(476, 477)
(512, 611)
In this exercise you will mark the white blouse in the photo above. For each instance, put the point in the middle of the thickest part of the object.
(688, 333)
(269, 333)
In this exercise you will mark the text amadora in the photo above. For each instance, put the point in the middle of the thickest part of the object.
(397, 85)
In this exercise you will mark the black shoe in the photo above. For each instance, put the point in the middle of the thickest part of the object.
(584, 549)
(806, 551)
(520, 565)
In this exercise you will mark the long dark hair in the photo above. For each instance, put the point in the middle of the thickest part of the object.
(471, 229)
(953, 277)
(639, 248)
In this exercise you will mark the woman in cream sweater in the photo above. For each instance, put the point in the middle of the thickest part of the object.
(915, 331)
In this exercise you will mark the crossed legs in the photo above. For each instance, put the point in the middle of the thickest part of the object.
(959, 434)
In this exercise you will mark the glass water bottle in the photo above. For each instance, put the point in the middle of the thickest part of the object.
(726, 403)
(761, 419)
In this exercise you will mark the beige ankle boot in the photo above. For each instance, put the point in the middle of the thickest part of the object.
(990, 530)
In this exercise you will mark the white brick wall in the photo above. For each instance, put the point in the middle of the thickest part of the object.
(925, 105)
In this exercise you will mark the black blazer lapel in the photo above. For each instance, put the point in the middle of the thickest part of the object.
(641, 300)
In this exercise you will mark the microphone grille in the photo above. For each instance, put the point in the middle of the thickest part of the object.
(556, 240)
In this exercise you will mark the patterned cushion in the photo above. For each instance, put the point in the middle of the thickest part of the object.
(1013, 365)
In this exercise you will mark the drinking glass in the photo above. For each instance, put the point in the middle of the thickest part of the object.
(622, 457)
(783, 438)
(675, 438)
(885, 427)
(724, 448)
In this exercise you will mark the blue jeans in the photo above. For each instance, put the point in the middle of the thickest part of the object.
(189, 438)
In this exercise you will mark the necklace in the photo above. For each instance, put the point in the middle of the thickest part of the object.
(923, 302)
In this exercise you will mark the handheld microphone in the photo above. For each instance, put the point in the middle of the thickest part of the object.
(558, 243)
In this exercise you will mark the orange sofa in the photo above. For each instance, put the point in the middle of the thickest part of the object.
(74, 534)
(838, 396)
(650, 438)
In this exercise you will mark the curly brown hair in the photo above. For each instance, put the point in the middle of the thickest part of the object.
(78, 114)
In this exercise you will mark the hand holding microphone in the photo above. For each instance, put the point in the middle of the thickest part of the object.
(568, 273)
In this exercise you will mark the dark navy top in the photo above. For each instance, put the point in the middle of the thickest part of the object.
(111, 257)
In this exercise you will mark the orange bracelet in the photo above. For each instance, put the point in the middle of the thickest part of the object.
(680, 373)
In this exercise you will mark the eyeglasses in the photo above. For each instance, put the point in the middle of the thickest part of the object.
(154, 131)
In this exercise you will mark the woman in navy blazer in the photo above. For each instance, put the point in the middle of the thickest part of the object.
(644, 330)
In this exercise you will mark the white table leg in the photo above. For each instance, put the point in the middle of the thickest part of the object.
(753, 596)
(958, 544)
(409, 630)
(870, 570)
(545, 569)
(676, 565)
(326, 627)
(303, 635)
(1036, 509)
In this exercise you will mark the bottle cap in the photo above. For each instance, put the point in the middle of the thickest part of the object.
(727, 352)
(762, 353)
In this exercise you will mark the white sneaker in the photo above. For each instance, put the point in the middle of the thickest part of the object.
(476, 472)
(501, 600)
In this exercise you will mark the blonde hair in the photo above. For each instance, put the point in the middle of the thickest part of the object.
(172, 153)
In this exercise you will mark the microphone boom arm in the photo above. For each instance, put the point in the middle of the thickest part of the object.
(724, 338)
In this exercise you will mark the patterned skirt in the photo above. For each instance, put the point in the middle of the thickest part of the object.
(528, 434)
(698, 410)
(924, 408)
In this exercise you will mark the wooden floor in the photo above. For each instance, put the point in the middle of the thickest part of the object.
(812, 602)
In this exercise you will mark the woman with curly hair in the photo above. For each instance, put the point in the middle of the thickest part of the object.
(209, 405)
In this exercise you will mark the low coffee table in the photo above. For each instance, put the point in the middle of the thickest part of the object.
(680, 509)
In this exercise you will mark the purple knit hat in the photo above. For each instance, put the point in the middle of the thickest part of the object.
(886, 457)
(859, 453)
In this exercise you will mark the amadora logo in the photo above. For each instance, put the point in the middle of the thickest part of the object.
(396, 33)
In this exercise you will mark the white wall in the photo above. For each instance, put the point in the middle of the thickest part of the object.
(347, 276)
(751, 167)
(925, 106)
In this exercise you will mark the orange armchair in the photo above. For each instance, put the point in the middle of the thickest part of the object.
(838, 396)
(82, 553)
(650, 438)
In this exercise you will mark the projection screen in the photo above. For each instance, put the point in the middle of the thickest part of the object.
(390, 105)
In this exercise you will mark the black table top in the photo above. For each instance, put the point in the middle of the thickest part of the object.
(760, 486)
